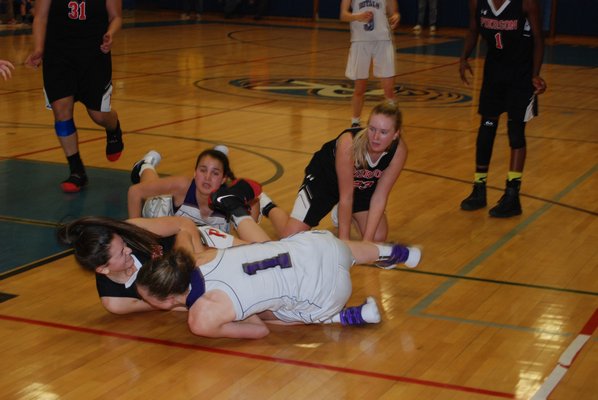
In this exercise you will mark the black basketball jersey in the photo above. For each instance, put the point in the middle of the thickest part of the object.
(76, 24)
(108, 288)
(506, 31)
(365, 178)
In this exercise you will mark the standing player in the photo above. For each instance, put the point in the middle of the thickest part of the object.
(74, 39)
(513, 34)
(371, 41)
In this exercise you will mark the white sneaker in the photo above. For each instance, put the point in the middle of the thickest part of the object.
(417, 28)
(433, 29)
(222, 148)
(153, 158)
(370, 312)
(150, 160)
(415, 255)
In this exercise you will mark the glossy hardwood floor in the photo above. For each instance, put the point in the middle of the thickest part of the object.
(489, 312)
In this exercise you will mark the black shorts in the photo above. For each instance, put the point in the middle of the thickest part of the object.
(85, 75)
(316, 198)
(507, 91)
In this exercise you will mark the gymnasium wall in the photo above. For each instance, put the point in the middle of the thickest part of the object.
(574, 17)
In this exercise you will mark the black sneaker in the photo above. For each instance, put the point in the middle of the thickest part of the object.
(74, 183)
(477, 198)
(355, 125)
(508, 205)
(114, 143)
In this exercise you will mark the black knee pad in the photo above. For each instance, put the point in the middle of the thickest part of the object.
(485, 140)
(516, 130)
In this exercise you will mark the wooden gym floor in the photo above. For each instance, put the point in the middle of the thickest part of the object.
(496, 309)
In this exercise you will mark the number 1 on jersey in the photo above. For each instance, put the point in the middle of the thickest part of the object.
(498, 40)
(282, 260)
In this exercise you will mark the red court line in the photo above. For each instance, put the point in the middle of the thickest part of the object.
(250, 356)
(202, 116)
(591, 325)
(55, 147)
(567, 358)
(146, 128)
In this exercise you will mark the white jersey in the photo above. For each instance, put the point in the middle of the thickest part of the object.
(302, 278)
(377, 29)
(162, 206)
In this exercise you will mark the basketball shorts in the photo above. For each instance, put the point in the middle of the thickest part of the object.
(501, 94)
(325, 283)
(316, 198)
(86, 76)
(361, 54)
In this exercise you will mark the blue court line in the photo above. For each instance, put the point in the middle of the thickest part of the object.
(418, 309)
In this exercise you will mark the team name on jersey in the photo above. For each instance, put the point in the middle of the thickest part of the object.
(369, 3)
(367, 174)
(360, 174)
(499, 25)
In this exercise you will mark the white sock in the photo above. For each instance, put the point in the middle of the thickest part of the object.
(145, 166)
(369, 311)
(264, 200)
(384, 250)
(237, 220)
(355, 120)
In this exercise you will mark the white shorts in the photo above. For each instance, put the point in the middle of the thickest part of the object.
(158, 206)
(362, 54)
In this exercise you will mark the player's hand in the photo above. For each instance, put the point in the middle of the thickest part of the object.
(539, 84)
(463, 68)
(34, 59)
(365, 16)
(394, 20)
(106, 45)
(5, 69)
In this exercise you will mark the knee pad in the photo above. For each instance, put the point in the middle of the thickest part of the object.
(516, 130)
(65, 128)
(485, 140)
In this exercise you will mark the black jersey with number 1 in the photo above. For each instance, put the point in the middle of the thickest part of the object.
(507, 33)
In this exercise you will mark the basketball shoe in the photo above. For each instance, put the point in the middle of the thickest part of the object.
(152, 158)
(114, 143)
(400, 254)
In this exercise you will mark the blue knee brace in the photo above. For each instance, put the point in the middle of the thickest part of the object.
(65, 128)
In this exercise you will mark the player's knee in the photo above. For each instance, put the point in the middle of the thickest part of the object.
(486, 134)
(516, 131)
(488, 127)
(65, 128)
